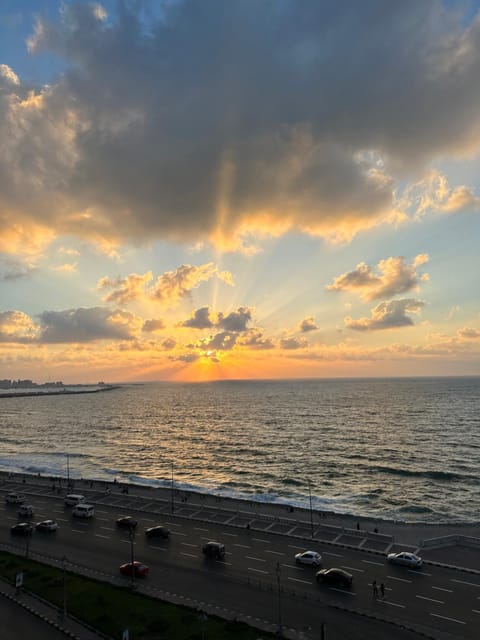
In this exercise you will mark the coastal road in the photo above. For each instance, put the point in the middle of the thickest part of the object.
(247, 580)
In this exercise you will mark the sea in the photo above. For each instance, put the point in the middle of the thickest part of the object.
(403, 449)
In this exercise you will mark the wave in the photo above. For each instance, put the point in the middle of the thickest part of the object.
(432, 475)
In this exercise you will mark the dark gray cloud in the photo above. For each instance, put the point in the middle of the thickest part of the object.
(293, 342)
(387, 315)
(155, 324)
(236, 320)
(308, 324)
(273, 112)
(233, 322)
(201, 319)
(87, 325)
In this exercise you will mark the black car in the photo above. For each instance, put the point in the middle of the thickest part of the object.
(336, 577)
(22, 529)
(157, 532)
(127, 522)
(214, 550)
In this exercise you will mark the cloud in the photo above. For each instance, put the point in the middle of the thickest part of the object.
(254, 339)
(189, 126)
(172, 286)
(469, 334)
(201, 319)
(11, 269)
(387, 315)
(293, 343)
(233, 322)
(125, 289)
(308, 324)
(88, 324)
(223, 341)
(236, 320)
(16, 326)
(67, 267)
(394, 276)
(155, 324)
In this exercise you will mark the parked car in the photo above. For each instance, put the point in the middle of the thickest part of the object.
(22, 529)
(140, 570)
(214, 550)
(14, 498)
(406, 559)
(309, 557)
(127, 522)
(335, 577)
(157, 532)
(46, 525)
(26, 510)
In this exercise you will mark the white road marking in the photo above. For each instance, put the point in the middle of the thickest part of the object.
(277, 553)
(475, 611)
(103, 519)
(292, 546)
(243, 546)
(78, 531)
(293, 566)
(261, 540)
(190, 555)
(127, 541)
(430, 599)
(105, 512)
(62, 519)
(99, 535)
(107, 528)
(257, 559)
(148, 520)
(348, 593)
(298, 580)
(199, 529)
(173, 524)
(379, 564)
(419, 573)
(393, 604)
(398, 579)
(442, 589)
(229, 564)
(179, 533)
(232, 535)
(471, 584)
(334, 555)
(257, 570)
(435, 615)
(158, 548)
(353, 569)
(188, 544)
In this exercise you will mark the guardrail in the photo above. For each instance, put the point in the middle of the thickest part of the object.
(447, 541)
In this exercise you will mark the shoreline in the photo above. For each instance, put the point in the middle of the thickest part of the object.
(64, 391)
(408, 533)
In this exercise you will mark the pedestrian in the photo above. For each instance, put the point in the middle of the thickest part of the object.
(382, 591)
(358, 526)
(375, 589)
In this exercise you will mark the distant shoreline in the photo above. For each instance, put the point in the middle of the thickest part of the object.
(56, 392)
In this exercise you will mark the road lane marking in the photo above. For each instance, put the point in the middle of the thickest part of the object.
(232, 535)
(243, 546)
(419, 573)
(348, 593)
(229, 564)
(442, 589)
(199, 529)
(261, 540)
(99, 535)
(148, 520)
(334, 555)
(435, 615)
(398, 579)
(293, 566)
(190, 555)
(105, 512)
(257, 559)
(257, 570)
(78, 531)
(353, 569)
(179, 533)
(107, 528)
(173, 524)
(379, 564)
(158, 548)
(188, 544)
(471, 584)
(127, 541)
(277, 553)
(103, 519)
(298, 580)
(475, 611)
(430, 599)
(392, 604)
(62, 519)
(292, 546)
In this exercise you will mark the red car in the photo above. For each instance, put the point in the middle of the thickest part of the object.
(140, 570)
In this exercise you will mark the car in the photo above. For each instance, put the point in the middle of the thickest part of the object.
(157, 532)
(140, 570)
(26, 510)
(22, 529)
(127, 522)
(406, 559)
(46, 525)
(14, 498)
(214, 550)
(73, 498)
(335, 577)
(308, 557)
(83, 510)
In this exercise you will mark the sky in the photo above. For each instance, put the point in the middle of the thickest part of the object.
(206, 190)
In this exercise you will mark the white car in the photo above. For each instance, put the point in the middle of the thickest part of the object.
(309, 557)
(14, 498)
(406, 559)
(46, 525)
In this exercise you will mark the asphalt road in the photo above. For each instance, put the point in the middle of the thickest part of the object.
(442, 600)
(19, 623)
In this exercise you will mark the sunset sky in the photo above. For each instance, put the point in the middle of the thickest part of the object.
(211, 189)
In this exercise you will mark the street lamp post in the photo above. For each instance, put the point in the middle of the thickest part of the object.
(173, 492)
(278, 572)
(68, 471)
(64, 566)
(311, 510)
(131, 535)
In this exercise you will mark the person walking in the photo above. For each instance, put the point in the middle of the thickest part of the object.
(382, 591)
(375, 589)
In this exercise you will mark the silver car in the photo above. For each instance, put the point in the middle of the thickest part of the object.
(406, 559)
(309, 557)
